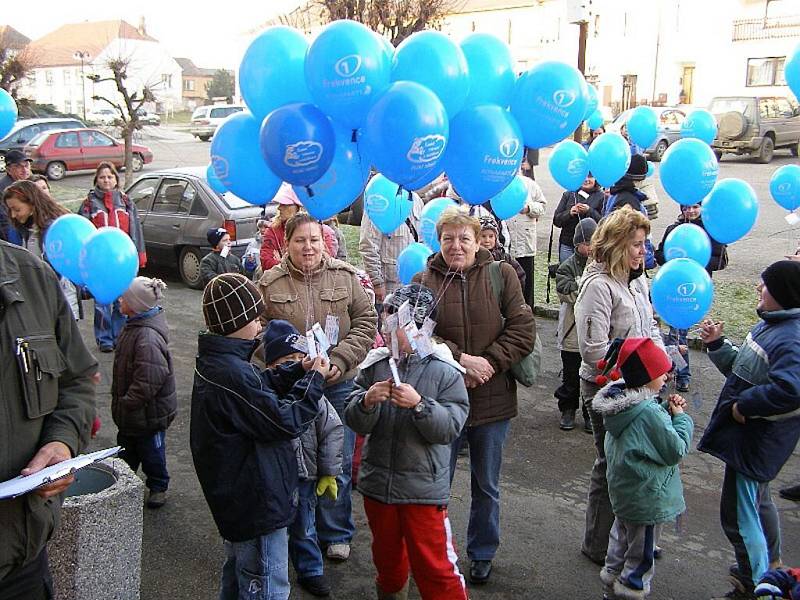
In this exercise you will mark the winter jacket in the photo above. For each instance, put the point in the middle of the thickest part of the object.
(568, 280)
(608, 308)
(406, 457)
(242, 426)
(379, 252)
(567, 222)
(8, 232)
(763, 379)
(319, 450)
(625, 194)
(643, 446)
(469, 319)
(143, 396)
(115, 209)
(50, 400)
(273, 246)
(522, 227)
(214, 264)
(501, 255)
(719, 252)
(335, 291)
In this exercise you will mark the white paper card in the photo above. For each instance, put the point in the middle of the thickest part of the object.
(395, 373)
(428, 326)
(793, 218)
(411, 334)
(312, 345)
(404, 313)
(395, 346)
(424, 345)
(322, 339)
(225, 251)
(332, 329)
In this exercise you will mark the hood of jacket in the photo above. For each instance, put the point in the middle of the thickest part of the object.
(620, 405)
(209, 344)
(156, 321)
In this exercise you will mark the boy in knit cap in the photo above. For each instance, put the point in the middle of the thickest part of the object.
(143, 397)
(242, 426)
(488, 240)
(220, 260)
(644, 444)
(756, 424)
(568, 279)
(319, 460)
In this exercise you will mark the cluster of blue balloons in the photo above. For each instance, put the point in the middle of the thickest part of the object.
(104, 260)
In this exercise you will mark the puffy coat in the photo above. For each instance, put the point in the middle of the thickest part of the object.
(568, 280)
(719, 252)
(608, 308)
(214, 264)
(143, 396)
(567, 222)
(115, 209)
(336, 291)
(469, 319)
(319, 450)
(763, 379)
(406, 457)
(644, 446)
(242, 427)
(522, 227)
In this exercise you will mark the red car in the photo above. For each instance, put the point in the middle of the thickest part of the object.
(56, 152)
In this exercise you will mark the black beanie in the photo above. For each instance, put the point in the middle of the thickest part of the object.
(782, 279)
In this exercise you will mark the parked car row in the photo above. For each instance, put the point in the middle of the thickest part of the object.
(25, 130)
(206, 119)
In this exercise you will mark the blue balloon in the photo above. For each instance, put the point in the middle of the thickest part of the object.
(484, 152)
(688, 241)
(688, 171)
(549, 103)
(298, 143)
(609, 158)
(426, 179)
(342, 182)
(651, 169)
(272, 71)
(569, 165)
(791, 72)
(592, 102)
(8, 113)
(236, 157)
(511, 200)
(406, 133)
(108, 263)
(428, 219)
(699, 124)
(432, 59)
(491, 70)
(347, 69)
(730, 210)
(643, 126)
(386, 203)
(213, 181)
(595, 120)
(412, 260)
(63, 242)
(682, 292)
(785, 186)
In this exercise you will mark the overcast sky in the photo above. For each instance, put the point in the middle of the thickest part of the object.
(212, 34)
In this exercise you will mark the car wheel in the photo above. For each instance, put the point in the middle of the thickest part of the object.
(189, 267)
(204, 138)
(56, 171)
(658, 152)
(766, 151)
(137, 162)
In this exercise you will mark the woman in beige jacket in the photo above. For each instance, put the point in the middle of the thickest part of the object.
(613, 302)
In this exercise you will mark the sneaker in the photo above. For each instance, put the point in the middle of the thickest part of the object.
(316, 585)
(608, 577)
(790, 493)
(682, 386)
(567, 422)
(106, 348)
(658, 552)
(156, 499)
(587, 426)
(623, 592)
(338, 552)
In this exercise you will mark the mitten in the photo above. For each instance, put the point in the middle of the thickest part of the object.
(327, 485)
(779, 583)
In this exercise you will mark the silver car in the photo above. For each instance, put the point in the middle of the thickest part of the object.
(177, 207)
(669, 129)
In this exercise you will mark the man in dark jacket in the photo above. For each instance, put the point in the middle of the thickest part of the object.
(624, 192)
(18, 168)
(48, 400)
(219, 260)
(756, 423)
(587, 202)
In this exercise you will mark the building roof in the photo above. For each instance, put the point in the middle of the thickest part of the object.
(473, 6)
(189, 69)
(11, 38)
(58, 47)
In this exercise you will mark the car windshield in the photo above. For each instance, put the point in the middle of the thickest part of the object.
(234, 202)
(740, 105)
(37, 141)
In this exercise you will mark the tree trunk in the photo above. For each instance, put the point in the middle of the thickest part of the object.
(128, 156)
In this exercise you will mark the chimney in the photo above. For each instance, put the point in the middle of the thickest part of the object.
(142, 28)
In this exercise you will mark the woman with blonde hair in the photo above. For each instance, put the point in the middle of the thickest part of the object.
(613, 302)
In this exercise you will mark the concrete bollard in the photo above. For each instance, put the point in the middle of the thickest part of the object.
(96, 553)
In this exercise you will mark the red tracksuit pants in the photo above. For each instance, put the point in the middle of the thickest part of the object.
(416, 536)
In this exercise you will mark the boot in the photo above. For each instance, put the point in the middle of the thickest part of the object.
(567, 422)
(399, 595)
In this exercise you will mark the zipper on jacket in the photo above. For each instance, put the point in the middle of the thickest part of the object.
(464, 297)
(589, 328)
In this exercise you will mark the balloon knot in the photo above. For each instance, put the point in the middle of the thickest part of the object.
(354, 136)
(309, 191)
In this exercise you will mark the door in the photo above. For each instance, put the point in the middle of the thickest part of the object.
(769, 117)
(97, 147)
(628, 91)
(141, 194)
(787, 127)
(687, 85)
(67, 149)
(167, 217)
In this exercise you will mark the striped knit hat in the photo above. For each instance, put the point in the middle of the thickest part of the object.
(230, 301)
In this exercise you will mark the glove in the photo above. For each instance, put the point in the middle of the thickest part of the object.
(327, 486)
(779, 583)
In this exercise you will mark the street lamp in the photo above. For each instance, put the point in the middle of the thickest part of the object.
(82, 56)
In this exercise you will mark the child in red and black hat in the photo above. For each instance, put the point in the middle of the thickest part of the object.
(644, 444)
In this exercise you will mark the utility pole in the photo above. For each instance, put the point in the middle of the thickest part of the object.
(82, 56)
(583, 34)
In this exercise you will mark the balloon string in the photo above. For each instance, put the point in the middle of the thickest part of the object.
(354, 136)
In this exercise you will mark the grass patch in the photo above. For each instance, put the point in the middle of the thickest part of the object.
(178, 118)
(351, 233)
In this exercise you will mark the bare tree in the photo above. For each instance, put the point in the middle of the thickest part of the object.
(15, 64)
(128, 109)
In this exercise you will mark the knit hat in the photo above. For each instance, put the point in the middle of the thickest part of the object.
(144, 293)
(286, 196)
(230, 301)
(584, 231)
(279, 339)
(488, 222)
(215, 235)
(638, 360)
(637, 170)
(420, 298)
(782, 279)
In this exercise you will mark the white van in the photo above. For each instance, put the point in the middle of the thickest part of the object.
(206, 119)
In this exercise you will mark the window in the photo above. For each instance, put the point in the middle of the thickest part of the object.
(221, 113)
(79, 108)
(67, 106)
(765, 71)
(767, 108)
(783, 107)
(48, 77)
(28, 133)
(95, 139)
(171, 197)
(198, 206)
(67, 77)
(142, 192)
(67, 140)
(188, 85)
(166, 79)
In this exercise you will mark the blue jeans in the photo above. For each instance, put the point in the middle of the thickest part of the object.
(677, 337)
(486, 459)
(303, 547)
(256, 569)
(149, 451)
(564, 252)
(335, 517)
(108, 322)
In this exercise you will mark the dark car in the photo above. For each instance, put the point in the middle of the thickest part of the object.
(54, 153)
(177, 207)
(25, 130)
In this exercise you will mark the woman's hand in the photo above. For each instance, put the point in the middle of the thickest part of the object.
(478, 368)
(377, 393)
(711, 331)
